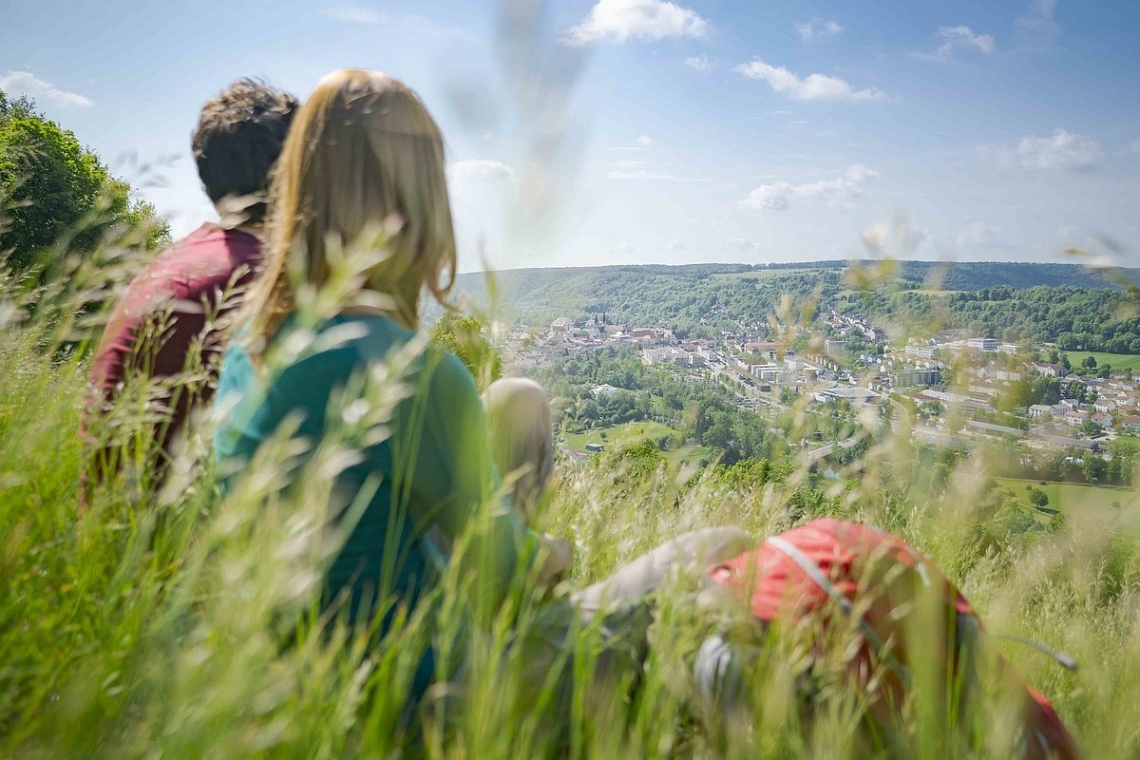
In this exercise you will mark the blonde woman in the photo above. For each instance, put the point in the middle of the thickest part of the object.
(363, 155)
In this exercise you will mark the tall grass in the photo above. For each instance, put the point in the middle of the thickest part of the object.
(171, 622)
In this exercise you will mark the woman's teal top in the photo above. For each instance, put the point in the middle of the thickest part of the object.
(429, 477)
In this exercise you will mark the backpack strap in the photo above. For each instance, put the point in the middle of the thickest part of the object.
(820, 579)
(916, 558)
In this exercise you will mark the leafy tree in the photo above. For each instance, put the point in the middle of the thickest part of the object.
(1115, 471)
(1089, 362)
(1094, 469)
(463, 336)
(1046, 390)
(939, 476)
(52, 187)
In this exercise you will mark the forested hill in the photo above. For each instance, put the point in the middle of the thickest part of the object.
(683, 296)
(977, 275)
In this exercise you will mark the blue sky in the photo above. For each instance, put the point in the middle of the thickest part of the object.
(590, 132)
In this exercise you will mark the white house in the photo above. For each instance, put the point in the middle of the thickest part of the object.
(1105, 405)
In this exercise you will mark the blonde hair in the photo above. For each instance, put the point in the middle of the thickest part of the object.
(362, 155)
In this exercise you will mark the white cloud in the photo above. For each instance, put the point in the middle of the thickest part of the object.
(27, 83)
(897, 238)
(1062, 150)
(354, 14)
(818, 27)
(640, 143)
(622, 20)
(962, 36)
(1037, 29)
(812, 87)
(642, 172)
(626, 249)
(742, 245)
(981, 234)
(839, 192)
(676, 246)
(1135, 146)
(626, 170)
(480, 169)
(399, 25)
(699, 62)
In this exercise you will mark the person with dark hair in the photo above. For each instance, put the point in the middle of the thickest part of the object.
(236, 143)
(162, 337)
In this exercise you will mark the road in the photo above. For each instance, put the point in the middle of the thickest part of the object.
(816, 454)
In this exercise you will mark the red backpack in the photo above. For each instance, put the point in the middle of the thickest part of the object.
(830, 567)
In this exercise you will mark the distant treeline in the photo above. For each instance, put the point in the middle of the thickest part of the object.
(977, 275)
(1060, 303)
(1074, 318)
(690, 300)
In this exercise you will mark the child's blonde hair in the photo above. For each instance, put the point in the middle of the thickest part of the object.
(363, 154)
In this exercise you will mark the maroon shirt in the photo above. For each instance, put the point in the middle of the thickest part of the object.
(180, 289)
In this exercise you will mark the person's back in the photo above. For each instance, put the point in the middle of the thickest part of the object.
(165, 331)
(432, 469)
(360, 226)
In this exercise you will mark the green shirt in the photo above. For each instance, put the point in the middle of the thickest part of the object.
(433, 474)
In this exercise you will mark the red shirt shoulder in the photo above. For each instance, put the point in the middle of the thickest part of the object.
(187, 279)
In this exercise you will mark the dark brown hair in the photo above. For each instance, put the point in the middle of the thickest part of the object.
(238, 139)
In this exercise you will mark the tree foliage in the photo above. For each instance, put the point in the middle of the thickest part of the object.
(464, 337)
(53, 190)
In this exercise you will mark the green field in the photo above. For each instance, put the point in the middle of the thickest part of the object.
(614, 433)
(1121, 506)
(688, 454)
(1118, 361)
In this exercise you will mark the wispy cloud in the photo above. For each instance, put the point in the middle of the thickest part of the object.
(981, 235)
(1037, 29)
(1062, 150)
(811, 87)
(628, 170)
(404, 25)
(623, 20)
(27, 83)
(354, 14)
(962, 37)
(1134, 146)
(818, 28)
(649, 174)
(641, 143)
(699, 62)
(480, 169)
(897, 238)
(741, 245)
(839, 192)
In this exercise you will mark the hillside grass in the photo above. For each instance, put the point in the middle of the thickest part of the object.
(615, 433)
(684, 456)
(1116, 507)
(1118, 361)
(177, 623)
